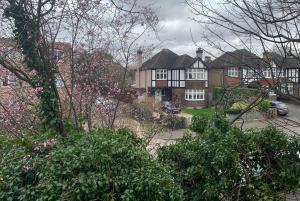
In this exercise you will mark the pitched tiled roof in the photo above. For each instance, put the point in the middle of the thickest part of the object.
(183, 61)
(166, 59)
(285, 62)
(237, 58)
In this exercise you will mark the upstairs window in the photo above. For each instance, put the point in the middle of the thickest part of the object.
(292, 74)
(57, 55)
(161, 74)
(287, 88)
(194, 94)
(196, 74)
(268, 73)
(5, 80)
(233, 72)
(9, 80)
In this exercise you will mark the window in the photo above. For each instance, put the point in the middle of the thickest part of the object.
(268, 73)
(9, 80)
(287, 88)
(196, 74)
(233, 72)
(161, 74)
(57, 55)
(194, 94)
(5, 80)
(292, 74)
(58, 81)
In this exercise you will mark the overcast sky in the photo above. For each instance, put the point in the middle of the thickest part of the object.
(176, 29)
(178, 32)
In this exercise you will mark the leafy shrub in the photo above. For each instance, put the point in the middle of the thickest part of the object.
(231, 95)
(238, 107)
(235, 165)
(264, 105)
(199, 123)
(173, 121)
(104, 165)
(141, 112)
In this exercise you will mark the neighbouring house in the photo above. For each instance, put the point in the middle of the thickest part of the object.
(9, 82)
(286, 69)
(180, 78)
(237, 68)
(87, 67)
(190, 81)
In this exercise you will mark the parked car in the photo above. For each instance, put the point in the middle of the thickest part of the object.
(170, 107)
(281, 108)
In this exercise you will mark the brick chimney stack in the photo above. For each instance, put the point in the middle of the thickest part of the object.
(139, 58)
(199, 53)
(266, 55)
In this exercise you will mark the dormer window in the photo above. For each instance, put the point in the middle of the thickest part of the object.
(196, 74)
(233, 72)
(161, 74)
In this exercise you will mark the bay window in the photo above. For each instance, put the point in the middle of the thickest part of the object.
(196, 74)
(194, 94)
(233, 72)
(161, 74)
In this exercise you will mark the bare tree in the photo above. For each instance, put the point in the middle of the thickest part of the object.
(270, 27)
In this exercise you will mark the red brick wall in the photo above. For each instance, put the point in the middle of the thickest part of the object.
(161, 83)
(232, 81)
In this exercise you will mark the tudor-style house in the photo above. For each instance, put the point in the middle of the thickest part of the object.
(168, 76)
(243, 68)
(286, 69)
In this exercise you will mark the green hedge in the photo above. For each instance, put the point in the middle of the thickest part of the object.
(102, 165)
(173, 121)
(231, 95)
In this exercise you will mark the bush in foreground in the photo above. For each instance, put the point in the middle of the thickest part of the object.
(224, 163)
(103, 165)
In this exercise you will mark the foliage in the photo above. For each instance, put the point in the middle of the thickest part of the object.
(27, 32)
(199, 123)
(228, 96)
(235, 165)
(264, 105)
(103, 165)
(142, 111)
(203, 111)
(173, 121)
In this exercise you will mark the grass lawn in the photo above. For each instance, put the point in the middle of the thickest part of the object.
(204, 111)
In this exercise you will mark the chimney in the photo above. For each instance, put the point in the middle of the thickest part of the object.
(199, 53)
(139, 58)
(266, 55)
(207, 59)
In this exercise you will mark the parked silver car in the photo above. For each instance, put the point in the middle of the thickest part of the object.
(170, 107)
(281, 108)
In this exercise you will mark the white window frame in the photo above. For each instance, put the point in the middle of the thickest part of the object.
(287, 87)
(161, 74)
(196, 74)
(194, 94)
(267, 73)
(233, 72)
(58, 55)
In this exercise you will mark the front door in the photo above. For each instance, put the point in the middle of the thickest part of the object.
(158, 94)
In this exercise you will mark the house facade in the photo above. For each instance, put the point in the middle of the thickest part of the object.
(190, 81)
(179, 78)
(245, 69)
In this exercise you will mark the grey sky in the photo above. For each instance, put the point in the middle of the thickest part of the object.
(178, 32)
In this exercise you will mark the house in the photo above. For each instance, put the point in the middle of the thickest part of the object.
(286, 69)
(243, 68)
(180, 78)
(238, 68)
